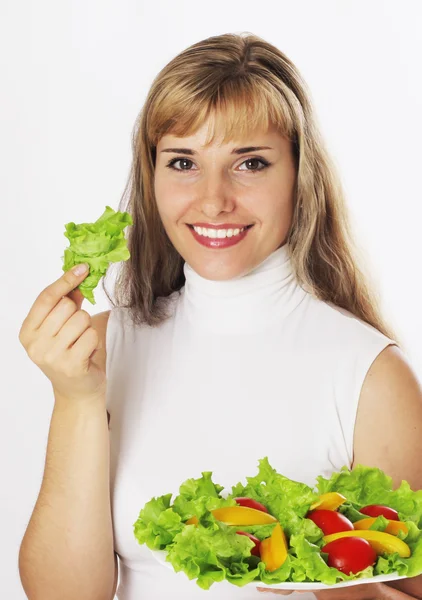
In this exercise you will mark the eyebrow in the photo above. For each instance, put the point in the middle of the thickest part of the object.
(234, 151)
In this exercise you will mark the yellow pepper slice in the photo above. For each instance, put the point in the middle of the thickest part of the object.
(380, 541)
(242, 515)
(274, 549)
(329, 501)
(238, 515)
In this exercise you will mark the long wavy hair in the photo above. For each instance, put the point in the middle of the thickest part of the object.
(247, 83)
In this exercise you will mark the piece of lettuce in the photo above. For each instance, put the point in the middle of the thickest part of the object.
(199, 496)
(213, 553)
(157, 524)
(368, 485)
(287, 500)
(97, 244)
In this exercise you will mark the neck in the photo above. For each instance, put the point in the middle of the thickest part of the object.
(243, 304)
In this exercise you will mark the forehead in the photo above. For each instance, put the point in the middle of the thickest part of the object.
(211, 136)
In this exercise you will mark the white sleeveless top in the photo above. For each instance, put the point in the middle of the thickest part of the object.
(245, 368)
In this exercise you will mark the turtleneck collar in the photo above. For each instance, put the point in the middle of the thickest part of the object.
(249, 303)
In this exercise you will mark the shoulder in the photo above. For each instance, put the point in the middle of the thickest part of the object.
(388, 430)
(342, 331)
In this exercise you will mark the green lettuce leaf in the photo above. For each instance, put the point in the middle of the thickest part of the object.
(287, 500)
(157, 524)
(310, 564)
(199, 496)
(260, 531)
(379, 524)
(348, 510)
(369, 485)
(284, 573)
(414, 562)
(213, 554)
(97, 244)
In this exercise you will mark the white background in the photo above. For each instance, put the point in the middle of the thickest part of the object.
(74, 75)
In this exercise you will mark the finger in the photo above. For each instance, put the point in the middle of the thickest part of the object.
(50, 296)
(279, 592)
(56, 319)
(73, 329)
(83, 348)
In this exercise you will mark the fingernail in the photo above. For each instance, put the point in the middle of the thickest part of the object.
(79, 269)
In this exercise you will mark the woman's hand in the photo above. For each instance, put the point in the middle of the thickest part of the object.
(59, 338)
(367, 591)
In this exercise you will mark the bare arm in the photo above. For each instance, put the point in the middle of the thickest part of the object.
(391, 397)
(67, 550)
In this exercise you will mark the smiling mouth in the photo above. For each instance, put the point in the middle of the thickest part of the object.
(219, 238)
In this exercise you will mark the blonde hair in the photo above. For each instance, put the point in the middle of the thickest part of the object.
(249, 84)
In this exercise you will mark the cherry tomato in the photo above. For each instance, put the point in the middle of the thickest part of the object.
(376, 510)
(330, 521)
(256, 549)
(350, 554)
(249, 503)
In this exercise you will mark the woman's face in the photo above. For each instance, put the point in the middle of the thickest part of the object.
(222, 188)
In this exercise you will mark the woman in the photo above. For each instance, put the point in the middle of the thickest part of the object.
(243, 327)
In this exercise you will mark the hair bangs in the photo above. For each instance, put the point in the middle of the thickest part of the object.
(236, 110)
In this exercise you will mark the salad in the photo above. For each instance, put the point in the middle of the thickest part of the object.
(273, 529)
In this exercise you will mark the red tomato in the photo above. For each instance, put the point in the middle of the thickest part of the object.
(375, 510)
(330, 521)
(350, 554)
(249, 503)
(256, 549)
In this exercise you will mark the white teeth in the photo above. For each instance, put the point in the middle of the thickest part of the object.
(217, 233)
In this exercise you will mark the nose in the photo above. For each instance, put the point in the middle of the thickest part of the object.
(216, 195)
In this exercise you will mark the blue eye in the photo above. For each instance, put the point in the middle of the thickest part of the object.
(264, 162)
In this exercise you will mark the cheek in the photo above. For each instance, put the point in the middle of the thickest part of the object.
(172, 203)
(273, 209)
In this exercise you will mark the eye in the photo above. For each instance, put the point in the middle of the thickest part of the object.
(173, 161)
(261, 160)
(264, 162)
